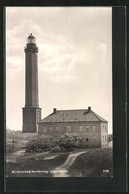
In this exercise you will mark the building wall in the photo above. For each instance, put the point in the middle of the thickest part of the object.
(89, 131)
(30, 118)
(31, 91)
(110, 144)
(104, 135)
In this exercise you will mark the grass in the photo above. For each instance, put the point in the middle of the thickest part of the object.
(20, 141)
(35, 165)
(92, 164)
(89, 164)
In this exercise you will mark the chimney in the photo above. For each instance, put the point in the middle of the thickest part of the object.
(89, 109)
(54, 110)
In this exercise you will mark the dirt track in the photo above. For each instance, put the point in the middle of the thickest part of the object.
(62, 171)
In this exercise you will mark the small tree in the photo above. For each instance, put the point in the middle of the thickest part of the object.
(40, 144)
(69, 141)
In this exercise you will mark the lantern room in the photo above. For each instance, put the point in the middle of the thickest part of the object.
(31, 39)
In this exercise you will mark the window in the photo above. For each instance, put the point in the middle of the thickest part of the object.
(69, 129)
(87, 128)
(50, 128)
(57, 128)
(87, 139)
(80, 128)
(94, 139)
(76, 130)
(94, 128)
(105, 138)
(65, 129)
(44, 129)
(102, 128)
(105, 128)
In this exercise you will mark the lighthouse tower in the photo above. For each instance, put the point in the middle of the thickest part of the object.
(31, 111)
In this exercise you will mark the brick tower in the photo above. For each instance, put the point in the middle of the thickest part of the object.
(31, 111)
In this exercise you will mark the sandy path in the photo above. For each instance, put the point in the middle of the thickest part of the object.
(62, 171)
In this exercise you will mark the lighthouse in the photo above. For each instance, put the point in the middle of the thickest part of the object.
(31, 111)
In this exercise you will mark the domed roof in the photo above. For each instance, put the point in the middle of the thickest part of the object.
(31, 36)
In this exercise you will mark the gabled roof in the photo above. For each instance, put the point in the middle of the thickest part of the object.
(72, 116)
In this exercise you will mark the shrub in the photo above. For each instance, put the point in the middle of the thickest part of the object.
(56, 149)
(40, 144)
(69, 142)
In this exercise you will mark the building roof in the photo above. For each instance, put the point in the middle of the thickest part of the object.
(72, 116)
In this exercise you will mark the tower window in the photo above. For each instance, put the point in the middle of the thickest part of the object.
(39, 116)
(87, 139)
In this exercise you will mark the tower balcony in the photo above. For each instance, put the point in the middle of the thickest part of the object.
(31, 48)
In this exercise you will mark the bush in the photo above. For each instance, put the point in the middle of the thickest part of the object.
(69, 142)
(40, 144)
(56, 149)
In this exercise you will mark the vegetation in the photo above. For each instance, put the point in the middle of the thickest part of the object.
(93, 163)
(35, 165)
(33, 142)
(68, 142)
(16, 140)
(55, 149)
(39, 145)
(96, 162)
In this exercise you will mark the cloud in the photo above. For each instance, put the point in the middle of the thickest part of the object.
(102, 49)
(14, 63)
(74, 57)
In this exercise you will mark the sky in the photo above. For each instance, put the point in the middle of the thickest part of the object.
(74, 59)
